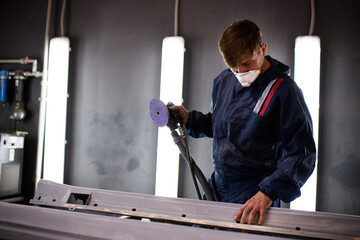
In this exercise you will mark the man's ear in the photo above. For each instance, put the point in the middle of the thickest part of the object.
(263, 49)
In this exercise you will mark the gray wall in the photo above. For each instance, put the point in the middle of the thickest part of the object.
(116, 48)
(115, 72)
(339, 153)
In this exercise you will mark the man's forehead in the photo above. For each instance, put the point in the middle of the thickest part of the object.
(247, 57)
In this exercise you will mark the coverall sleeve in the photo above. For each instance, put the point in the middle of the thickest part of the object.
(297, 153)
(199, 124)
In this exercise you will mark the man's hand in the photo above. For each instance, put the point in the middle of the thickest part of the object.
(258, 203)
(184, 114)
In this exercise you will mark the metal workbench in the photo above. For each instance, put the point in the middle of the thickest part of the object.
(61, 211)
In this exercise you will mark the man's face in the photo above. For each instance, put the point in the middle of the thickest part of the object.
(251, 61)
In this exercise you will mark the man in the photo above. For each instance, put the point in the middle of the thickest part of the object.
(263, 147)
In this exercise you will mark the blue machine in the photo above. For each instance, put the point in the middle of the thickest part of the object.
(4, 75)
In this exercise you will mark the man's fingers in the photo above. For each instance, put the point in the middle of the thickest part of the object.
(244, 215)
(262, 216)
(251, 216)
(259, 203)
(238, 214)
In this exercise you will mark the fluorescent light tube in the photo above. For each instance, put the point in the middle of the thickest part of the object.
(167, 163)
(56, 109)
(307, 76)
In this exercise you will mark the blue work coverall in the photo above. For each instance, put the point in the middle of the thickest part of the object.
(262, 136)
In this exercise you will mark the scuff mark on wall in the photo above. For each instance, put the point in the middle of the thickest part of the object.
(347, 172)
(111, 145)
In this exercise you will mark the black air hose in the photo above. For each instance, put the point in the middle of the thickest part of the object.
(181, 142)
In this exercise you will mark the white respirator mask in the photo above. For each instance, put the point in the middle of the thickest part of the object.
(247, 78)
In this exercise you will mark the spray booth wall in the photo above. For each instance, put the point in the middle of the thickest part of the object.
(115, 72)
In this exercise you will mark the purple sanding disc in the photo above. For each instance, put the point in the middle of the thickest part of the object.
(158, 112)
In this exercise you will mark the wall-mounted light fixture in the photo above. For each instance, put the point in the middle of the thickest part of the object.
(171, 85)
(56, 109)
(167, 164)
(307, 76)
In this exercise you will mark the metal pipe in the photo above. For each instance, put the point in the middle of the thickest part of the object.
(34, 63)
(25, 60)
(21, 60)
(312, 22)
(62, 18)
(41, 127)
(176, 18)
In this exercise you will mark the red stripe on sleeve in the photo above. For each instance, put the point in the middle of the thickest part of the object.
(271, 94)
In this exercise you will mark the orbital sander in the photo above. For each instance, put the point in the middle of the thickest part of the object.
(162, 116)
